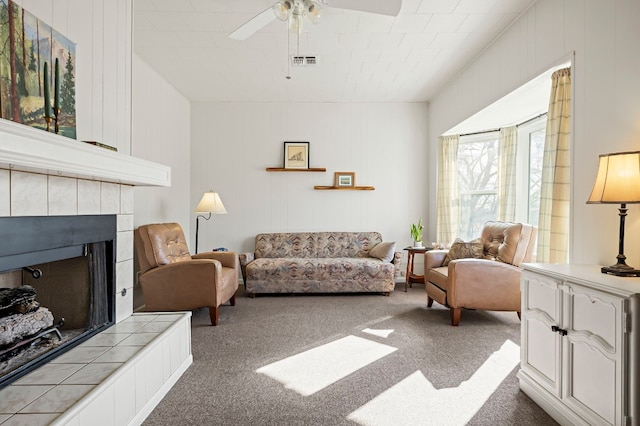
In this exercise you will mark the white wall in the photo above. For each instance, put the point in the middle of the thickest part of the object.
(161, 133)
(604, 36)
(233, 143)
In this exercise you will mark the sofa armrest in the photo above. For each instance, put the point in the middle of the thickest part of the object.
(434, 258)
(484, 284)
(245, 259)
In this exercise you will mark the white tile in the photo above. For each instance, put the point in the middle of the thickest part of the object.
(155, 327)
(14, 398)
(92, 374)
(124, 327)
(28, 194)
(125, 222)
(109, 198)
(119, 354)
(88, 197)
(42, 419)
(124, 275)
(124, 305)
(49, 374)
(58, 400)
(124, 249)
(105, 339)
(138, 339)
(142, 317)
(5, 192)
(63, 196)
(126, 199)
(80, 354)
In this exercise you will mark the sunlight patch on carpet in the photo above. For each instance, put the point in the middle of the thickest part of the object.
(379, 333)
(313, 370)
(414, 401)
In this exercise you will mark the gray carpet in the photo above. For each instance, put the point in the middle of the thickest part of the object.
(222, 387)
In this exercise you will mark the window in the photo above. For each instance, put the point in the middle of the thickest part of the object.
(478, 177)
(531, 137)
(477, 182)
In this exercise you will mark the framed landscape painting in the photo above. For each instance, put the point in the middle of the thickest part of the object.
(29, 48)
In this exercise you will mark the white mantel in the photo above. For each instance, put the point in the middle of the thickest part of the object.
(28, 149)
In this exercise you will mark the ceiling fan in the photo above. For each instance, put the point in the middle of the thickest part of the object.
(294, 11)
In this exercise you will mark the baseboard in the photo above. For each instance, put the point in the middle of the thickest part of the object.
(548, 402)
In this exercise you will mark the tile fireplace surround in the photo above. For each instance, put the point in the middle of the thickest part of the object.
(43, 174)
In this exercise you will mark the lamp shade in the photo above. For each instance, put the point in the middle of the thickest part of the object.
(211, 203)
(618, 179)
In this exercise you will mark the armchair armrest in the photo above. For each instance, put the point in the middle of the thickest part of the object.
(228, 259)
(434, 258)
(181, 285)
(484, 284)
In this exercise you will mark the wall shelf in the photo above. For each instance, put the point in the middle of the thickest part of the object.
(282, 169)
(345, 188)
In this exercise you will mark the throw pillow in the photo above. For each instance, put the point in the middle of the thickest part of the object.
(464, 250)
(383, 251)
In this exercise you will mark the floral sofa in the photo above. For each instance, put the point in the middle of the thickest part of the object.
(320, 262)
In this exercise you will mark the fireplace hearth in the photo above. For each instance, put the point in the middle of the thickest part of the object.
(64, 265)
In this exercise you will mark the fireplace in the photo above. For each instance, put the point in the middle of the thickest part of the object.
(70, 263)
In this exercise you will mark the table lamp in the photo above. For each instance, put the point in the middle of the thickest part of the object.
(211, 204)
(618, 182)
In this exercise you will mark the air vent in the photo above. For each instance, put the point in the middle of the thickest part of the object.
(304, 61)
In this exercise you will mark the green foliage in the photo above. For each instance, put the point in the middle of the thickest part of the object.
(68, 89)
(416, 230)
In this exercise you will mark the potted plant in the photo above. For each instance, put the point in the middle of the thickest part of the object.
(416, 233)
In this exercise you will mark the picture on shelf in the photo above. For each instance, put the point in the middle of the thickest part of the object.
(344, 179)
(296, 155)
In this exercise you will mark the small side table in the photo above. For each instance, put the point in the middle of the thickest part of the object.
(410, 276)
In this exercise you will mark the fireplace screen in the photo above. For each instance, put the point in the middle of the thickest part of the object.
(56, 288)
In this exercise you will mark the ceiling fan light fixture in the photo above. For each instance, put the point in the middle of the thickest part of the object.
(313, 10)
(282, 9)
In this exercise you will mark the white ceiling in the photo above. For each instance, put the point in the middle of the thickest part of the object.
(362, 57)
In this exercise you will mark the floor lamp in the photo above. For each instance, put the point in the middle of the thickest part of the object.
(211, 204)
(618, 182)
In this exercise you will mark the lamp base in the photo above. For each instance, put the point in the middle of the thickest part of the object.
(620, 271)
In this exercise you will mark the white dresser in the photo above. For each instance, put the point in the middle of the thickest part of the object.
(580, 344)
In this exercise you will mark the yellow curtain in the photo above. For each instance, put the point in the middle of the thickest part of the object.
(448, 204)
(553, 225)
(507, 174)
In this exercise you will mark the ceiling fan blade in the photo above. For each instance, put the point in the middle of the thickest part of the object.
(382, 7)
(254, 24)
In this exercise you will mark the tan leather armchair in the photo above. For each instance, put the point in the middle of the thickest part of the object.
(173, 280)
(482, 283)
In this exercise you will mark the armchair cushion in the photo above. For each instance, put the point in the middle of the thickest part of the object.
(460, 249)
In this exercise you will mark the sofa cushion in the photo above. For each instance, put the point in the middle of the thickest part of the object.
(383, 251)
(464, 250)
(327, 269)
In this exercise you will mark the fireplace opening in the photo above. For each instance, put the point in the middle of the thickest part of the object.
(56, 287)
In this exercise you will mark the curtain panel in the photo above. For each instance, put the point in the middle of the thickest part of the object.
(507, 147)
(448, 202)
(553, 225)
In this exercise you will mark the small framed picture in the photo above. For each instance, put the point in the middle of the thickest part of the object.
(296, 155)
(344, 179)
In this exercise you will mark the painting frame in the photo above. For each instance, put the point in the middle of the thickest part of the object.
(344, 179)
(296, 155)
